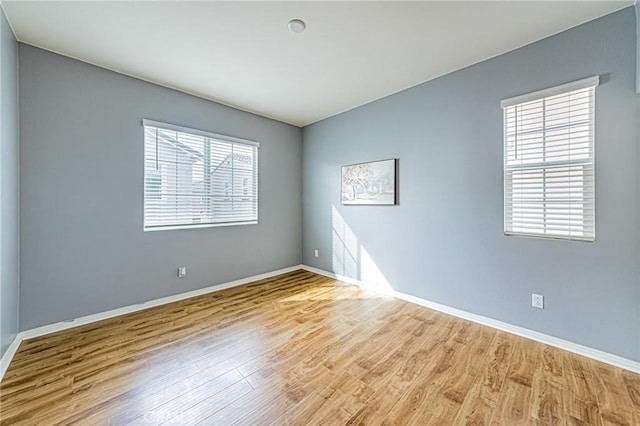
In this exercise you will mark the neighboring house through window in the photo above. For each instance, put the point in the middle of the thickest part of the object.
(245, 188)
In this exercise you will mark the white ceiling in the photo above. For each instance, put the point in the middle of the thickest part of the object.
(242, 53)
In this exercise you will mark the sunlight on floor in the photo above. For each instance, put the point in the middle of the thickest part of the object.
(337, 292)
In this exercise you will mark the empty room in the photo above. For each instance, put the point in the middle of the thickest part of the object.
(320, 213)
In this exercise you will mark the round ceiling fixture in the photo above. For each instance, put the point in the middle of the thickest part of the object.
(297, 25)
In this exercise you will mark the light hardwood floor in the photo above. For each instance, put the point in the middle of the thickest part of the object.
(303, 349)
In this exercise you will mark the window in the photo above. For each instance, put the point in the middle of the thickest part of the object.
(548, 162)
(194, 178)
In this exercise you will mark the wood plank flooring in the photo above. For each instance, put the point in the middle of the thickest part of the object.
(302, 349)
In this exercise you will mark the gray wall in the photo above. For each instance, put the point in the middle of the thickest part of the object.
(82, 245)
(638, 48)
(445, 241)
(9, 186)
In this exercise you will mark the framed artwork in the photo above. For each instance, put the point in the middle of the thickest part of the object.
(373, 183)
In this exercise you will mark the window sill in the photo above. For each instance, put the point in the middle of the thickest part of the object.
(549, 237)
(198, 226)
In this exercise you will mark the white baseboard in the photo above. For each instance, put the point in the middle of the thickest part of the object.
(338, 277)
(52, 328)
(8, 355)
(64, 325)
(596, 354)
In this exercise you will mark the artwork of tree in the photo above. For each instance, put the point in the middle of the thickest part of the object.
(372, 183)
(356, 178)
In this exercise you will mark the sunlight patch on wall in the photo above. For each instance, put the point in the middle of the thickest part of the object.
(350, 259)
(370, 274)
(344, 247)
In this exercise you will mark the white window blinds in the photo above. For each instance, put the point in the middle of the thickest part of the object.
(194, 178)
(549, 162)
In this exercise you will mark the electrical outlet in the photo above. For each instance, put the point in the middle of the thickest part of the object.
(316, 253)
(182, 271)
(537, 301)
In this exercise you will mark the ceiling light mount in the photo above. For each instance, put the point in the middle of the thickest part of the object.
(297, 25)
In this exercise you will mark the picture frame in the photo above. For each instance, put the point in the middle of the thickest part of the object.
(372, 183)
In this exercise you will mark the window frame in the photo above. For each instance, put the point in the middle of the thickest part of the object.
(209, 135)
(544, 166)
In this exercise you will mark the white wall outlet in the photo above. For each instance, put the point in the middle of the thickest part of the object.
(316, 253)
(182, 271)
(537, 301)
